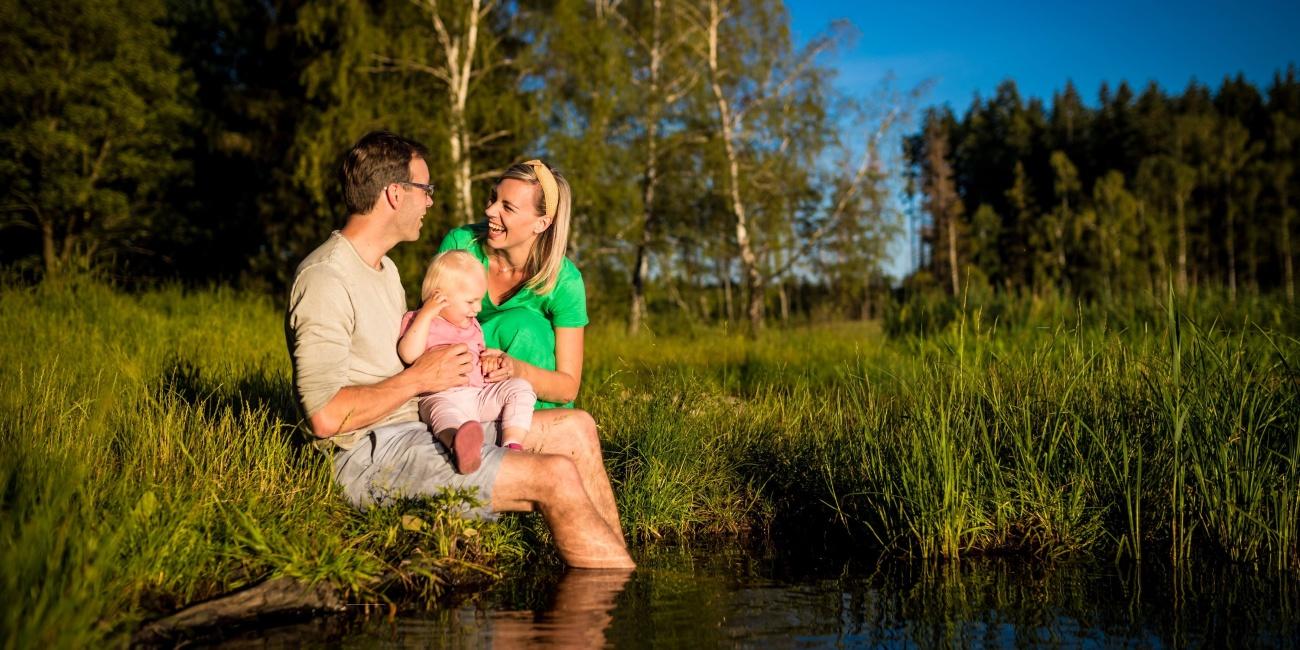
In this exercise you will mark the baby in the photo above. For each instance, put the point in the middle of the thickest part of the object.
(453, 293)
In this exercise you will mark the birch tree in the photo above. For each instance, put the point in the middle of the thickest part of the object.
(941, 201)
(466, 50)
(769, 104)
(662, 82)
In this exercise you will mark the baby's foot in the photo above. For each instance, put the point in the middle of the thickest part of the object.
(467, 447)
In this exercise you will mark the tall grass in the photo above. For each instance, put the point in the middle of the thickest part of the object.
(150, 461)
(1054, 428)
(151, 458)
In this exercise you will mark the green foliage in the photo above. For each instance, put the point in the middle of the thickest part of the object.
(249, 107)
(369, 68)
(1034, 424)
(95, 103)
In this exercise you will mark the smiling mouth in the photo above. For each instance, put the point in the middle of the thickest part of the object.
(495, 229)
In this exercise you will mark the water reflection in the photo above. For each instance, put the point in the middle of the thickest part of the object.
(764, 597)
(577, 618)
(570, 610)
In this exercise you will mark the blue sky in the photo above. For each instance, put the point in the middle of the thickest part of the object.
(969, 47)
(964, 48)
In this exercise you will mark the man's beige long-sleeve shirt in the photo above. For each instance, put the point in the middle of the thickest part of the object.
(342, 327)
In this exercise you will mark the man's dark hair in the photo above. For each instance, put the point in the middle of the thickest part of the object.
(377, 159)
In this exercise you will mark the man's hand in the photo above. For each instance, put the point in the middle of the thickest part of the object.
(497, 365)
(442, 367)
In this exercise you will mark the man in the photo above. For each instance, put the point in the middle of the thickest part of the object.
(345, 309)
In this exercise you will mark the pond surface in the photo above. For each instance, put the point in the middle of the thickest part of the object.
(760, 597)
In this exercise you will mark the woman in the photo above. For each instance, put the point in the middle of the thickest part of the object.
(536, 306)
(535, 310)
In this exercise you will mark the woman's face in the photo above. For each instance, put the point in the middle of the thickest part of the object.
(512, 215)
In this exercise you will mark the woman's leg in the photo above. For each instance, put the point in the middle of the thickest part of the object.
(572, 433)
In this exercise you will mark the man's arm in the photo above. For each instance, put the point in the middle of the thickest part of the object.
(354, 407)
(319, 325)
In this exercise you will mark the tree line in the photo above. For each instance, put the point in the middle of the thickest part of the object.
(199, 139)
(719, 174)
(1198, 188)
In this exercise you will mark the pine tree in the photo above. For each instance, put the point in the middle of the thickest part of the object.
(1022, 237)
(1282, 172)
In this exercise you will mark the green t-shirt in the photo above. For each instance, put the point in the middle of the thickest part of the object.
(524, 325)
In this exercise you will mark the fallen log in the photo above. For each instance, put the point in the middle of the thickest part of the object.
(276, 597)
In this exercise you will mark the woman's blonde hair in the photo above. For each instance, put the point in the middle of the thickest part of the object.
(547, 255)
(446, 266)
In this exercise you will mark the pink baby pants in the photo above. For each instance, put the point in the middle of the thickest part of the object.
(511, 401)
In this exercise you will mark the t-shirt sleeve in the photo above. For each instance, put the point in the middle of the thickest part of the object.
(568, 304)
(319, 327)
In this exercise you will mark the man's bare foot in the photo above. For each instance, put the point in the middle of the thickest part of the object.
(467, 447)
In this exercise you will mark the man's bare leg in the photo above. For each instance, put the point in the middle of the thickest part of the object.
(572, 433)
(551, 484)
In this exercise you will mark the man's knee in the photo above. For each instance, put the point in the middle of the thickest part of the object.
(562, 481)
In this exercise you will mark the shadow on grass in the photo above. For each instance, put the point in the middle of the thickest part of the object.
(255, 392)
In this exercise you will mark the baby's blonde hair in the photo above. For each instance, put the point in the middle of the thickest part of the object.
(448, 266)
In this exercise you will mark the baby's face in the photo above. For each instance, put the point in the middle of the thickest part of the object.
(464, 298)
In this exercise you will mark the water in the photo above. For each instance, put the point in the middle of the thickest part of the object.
(747, 597)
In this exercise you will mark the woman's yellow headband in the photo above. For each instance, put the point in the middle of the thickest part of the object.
(550, 191)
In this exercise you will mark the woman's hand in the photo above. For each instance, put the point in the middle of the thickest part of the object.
(497, 365)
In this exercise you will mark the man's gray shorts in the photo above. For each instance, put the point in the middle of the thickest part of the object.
(400, 460)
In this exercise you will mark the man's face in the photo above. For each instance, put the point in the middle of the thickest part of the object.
(464, 297)
(413, 202)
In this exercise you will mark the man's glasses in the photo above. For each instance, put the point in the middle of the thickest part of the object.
(428, 188)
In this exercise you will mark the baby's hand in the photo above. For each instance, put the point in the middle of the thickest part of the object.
(497, 365)
(436, 302)
(489, 363)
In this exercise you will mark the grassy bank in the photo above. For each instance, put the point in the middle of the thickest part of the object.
(151, 460)
(1155, 429)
